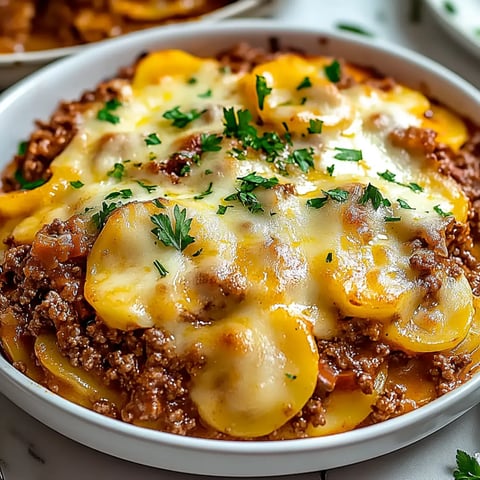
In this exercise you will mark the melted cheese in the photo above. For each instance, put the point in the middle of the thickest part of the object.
(255, 290)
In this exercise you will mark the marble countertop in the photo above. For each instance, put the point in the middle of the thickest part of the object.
(32, 451)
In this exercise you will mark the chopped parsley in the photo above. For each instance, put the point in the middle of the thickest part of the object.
(404, 204)
(348, 154)
(303, 101)
(173, 233)
(101, 216)
(210, 142)
(160, 268)
(25, 184)
(392, 219)
(125, 193)
(438, 210)
(329, 257)
(182, 119)
(330, 170)
(197, 253)
(77, 184)
(305, 83)
(244, 193)
(117, 172)
(303, 158)
(208, 171)
(336, 194)
(152, 139)
(206, 94)
(262, 90)
(414, 187)
(373, 194)
(206, 192)
(148, 188)
(184, 170)
(105, 114)
(192, 81)
(22, 148)
(237, 125)
(315, 126)
(290, 376)
(333, 71)
(390, 177)
(353, 29)
(222, 209)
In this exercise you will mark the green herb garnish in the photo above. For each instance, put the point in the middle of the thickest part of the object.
(353, 29)
(392, 219)
(348, 154)
(333, 71)
(329, 257)
(125, 193)
(206, 192)
(315, 126)
(101, 216)
(105, 114)
(206, 94)
(262, 90)
(373, 194)
(437, 209)
(148, 188)
(173, 233)
(305, 83)
(117, 172)
(468, 467)
(160, 268)
(303, 158)
(25, 184)
(222, 209)
(22, 148)
(182, 119)
(77, 184)
(210, 142)
(152, 139)
(450, 7)
(404, 204)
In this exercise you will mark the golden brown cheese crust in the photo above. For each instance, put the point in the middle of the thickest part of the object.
(147, 380)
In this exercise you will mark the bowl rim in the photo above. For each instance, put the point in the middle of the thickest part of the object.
(267, 28)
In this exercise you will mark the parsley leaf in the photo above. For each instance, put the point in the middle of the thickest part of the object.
(245, 193)
(336, 194)
(305, 83)
(125, 193)
(415, 187)
(182, 119)
(202, 195)
(173, 234)
(392, 219)
(390, 177)
(25, 184)
(210, 142)
(262, 90)
(303, 158)
(222, 209)
(117, 171)
(105, 114)
(22, 148)
(437, 209)
(450, 7)
(290, 376)
(77, 184)
(348, 154)
(206, 94)
(330, 170)
(237, 125)
(161, 269)
(329, 257)
(468, 467)
(152, 139)
(315, 126)
(404, 204)
(373, 194)
(192, 81)
(102, 215)
(333, 71)
(148, 188)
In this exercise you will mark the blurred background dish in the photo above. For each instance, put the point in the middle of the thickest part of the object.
(461, 19)
(35, 32)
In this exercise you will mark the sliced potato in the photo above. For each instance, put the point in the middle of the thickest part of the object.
(261, 369)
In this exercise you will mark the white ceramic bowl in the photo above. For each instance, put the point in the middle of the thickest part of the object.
(36, 97)
(15, 66)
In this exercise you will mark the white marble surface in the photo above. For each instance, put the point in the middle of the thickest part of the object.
(31, 451)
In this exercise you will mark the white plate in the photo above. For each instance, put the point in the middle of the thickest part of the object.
(461, 18)
(15, 66)
(20, 105)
